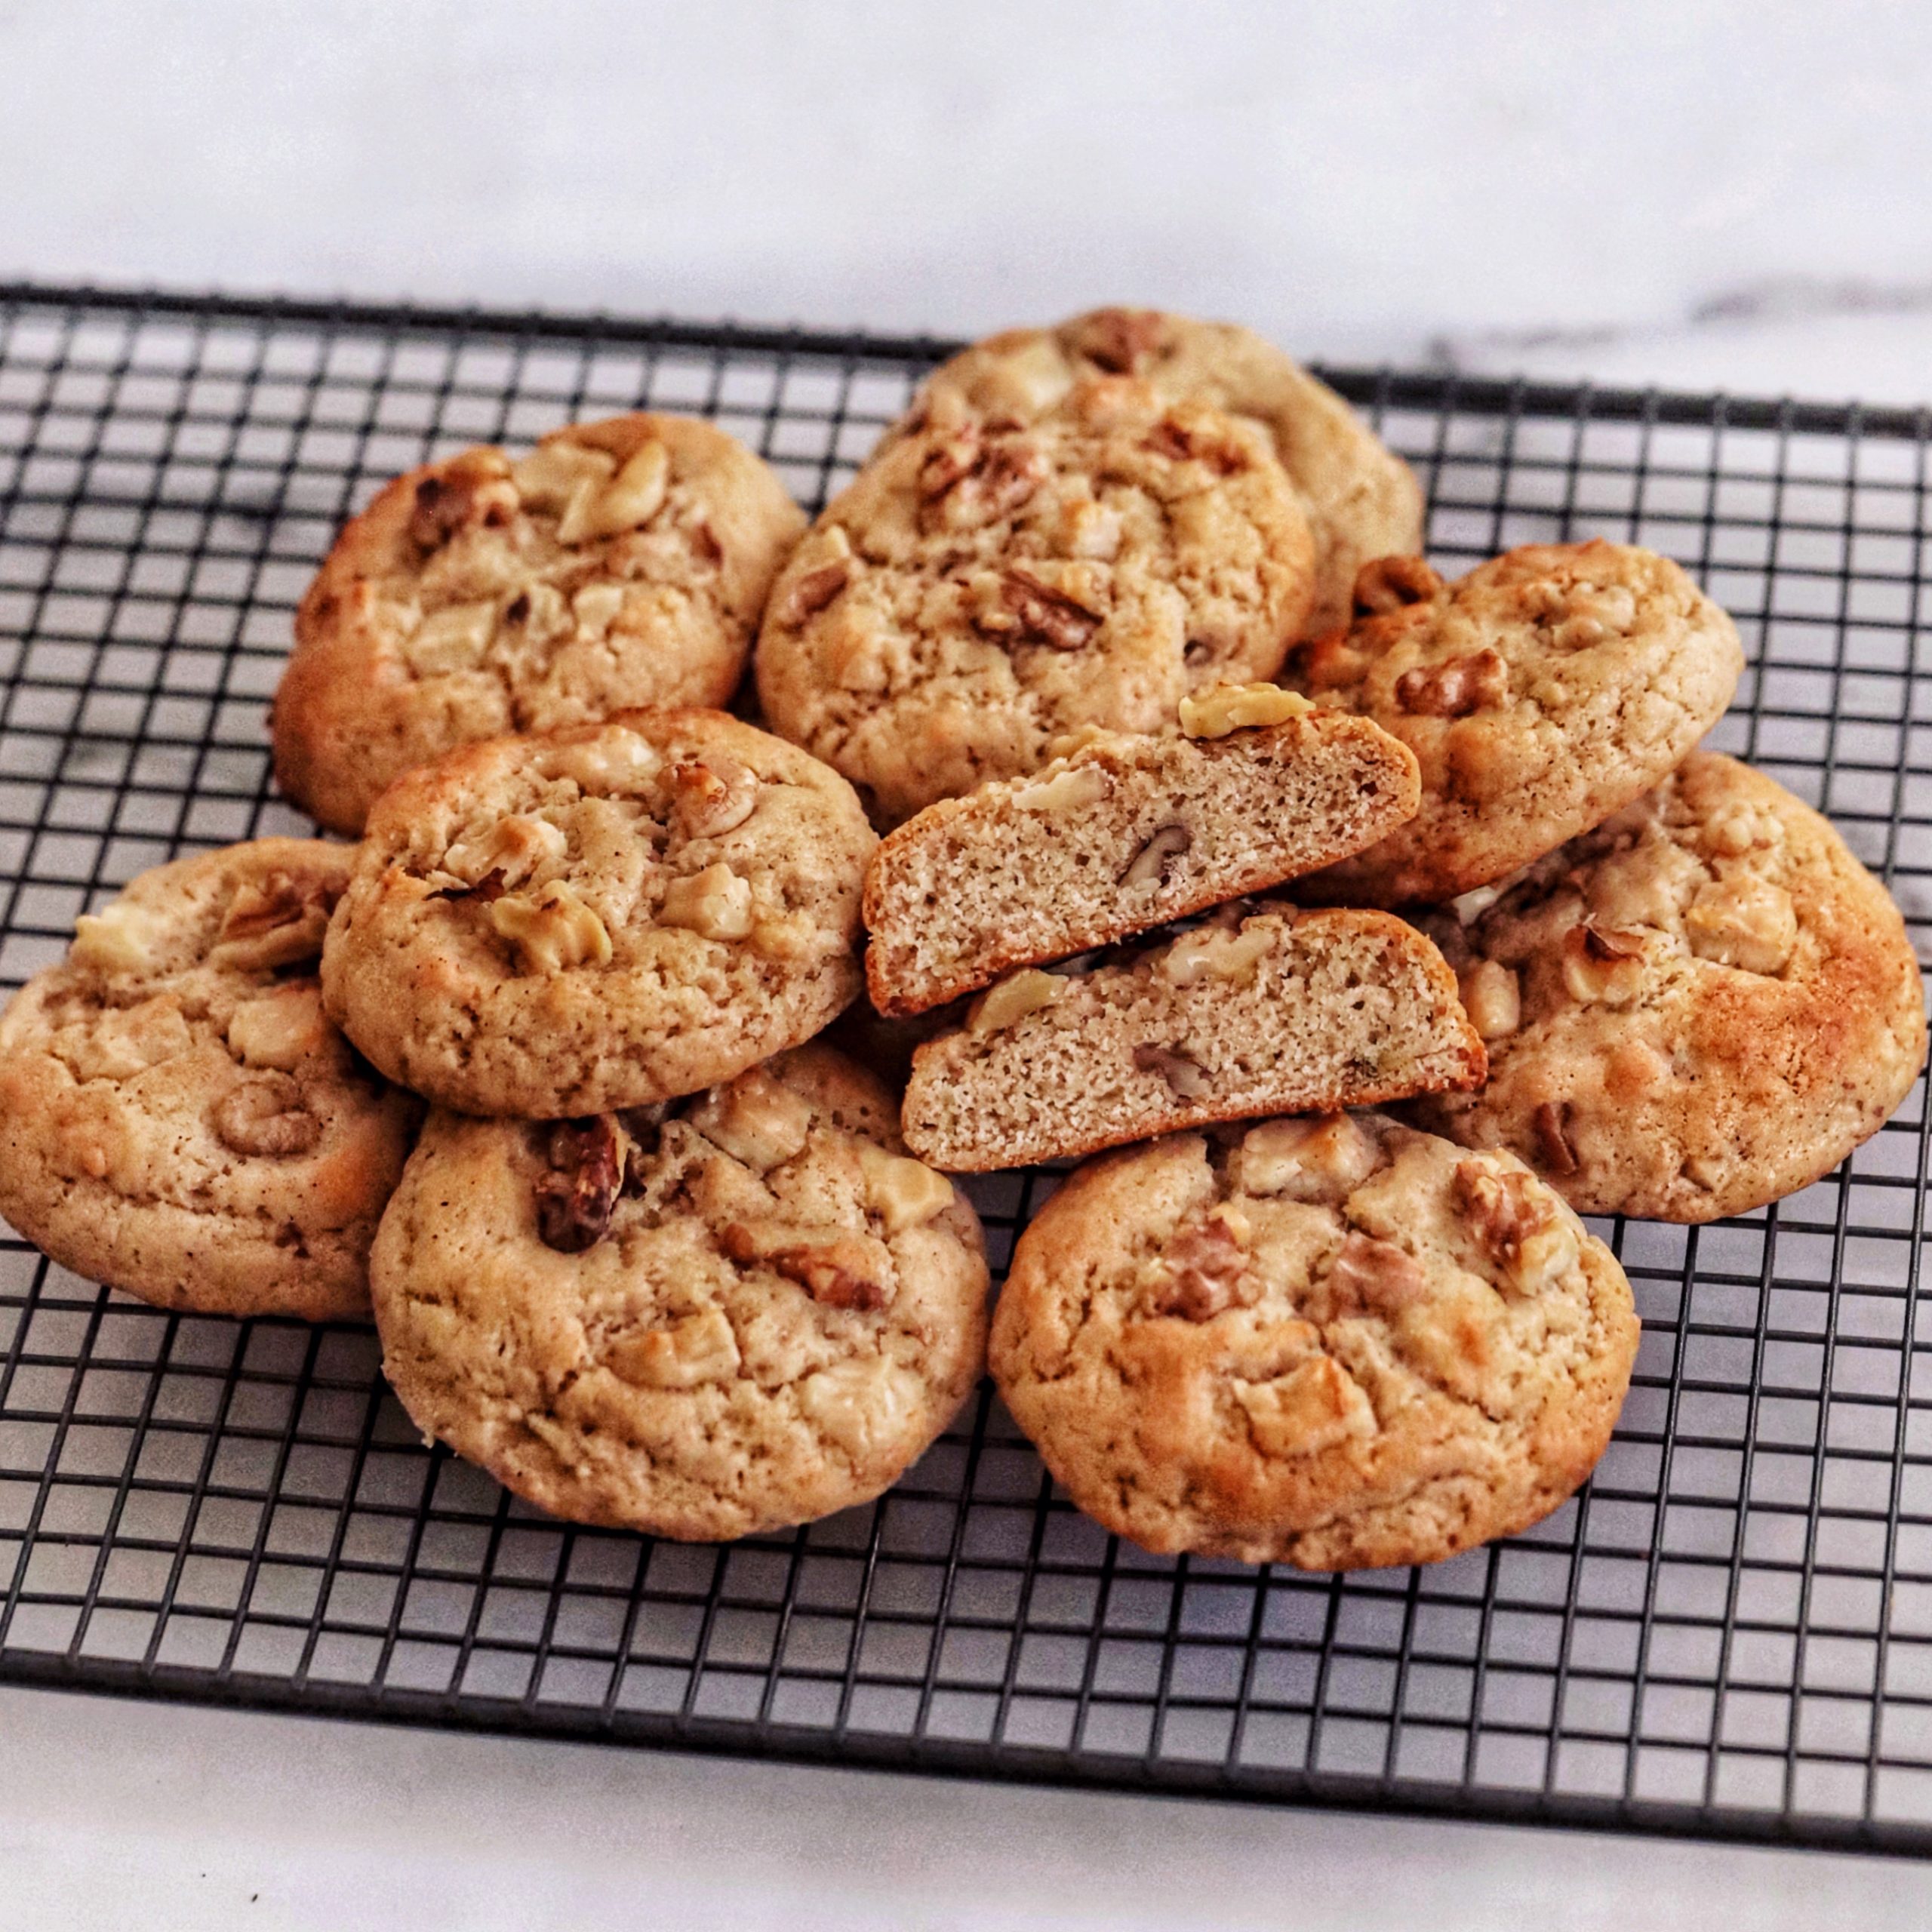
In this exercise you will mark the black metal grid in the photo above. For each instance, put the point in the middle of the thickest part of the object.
(1730, 1633)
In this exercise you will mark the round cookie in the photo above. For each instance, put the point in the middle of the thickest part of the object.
(745, 1315)
(1541, 693)
(1704, 1004)
(1362, 500)
(985, 587)
(178, 1119)
(619, 563)
(602, 917)
(1329, 1341)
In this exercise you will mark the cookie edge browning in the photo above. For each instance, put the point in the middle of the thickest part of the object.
(1048, 1254)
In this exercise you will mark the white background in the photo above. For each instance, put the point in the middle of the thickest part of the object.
(1716, 194)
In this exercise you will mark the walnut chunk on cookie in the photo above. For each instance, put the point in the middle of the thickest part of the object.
(748, 1312)
(1425, 1351)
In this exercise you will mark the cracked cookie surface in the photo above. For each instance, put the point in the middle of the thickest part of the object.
(1331, 1341)
(1699, 1007)
(179, 1119)
(602, 917)
(985, 586)
(1543, 691)
(1362, 500)
(618, 564)
(745, 1314)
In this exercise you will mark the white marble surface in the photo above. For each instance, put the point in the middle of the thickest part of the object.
(1726, 194)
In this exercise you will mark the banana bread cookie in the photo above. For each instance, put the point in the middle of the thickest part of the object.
(1275, 1012)
(178, 1119)
(1362, 500)
(985, 587)
(1124, 834)
(745, 1316)
(1333, 1342)
(1542, 692)
(604, 917)
(619, 563)
(1697, 1007)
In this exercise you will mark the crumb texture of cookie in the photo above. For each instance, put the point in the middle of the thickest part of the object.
(1362, 500)
(1699, 1007)
(1273, 1012)
(1330, 1342)
(178, 1118)
(743, 1313)
(985, 586)
(618, 564)
(1542, 692)
(1124, 834)
(608, 916)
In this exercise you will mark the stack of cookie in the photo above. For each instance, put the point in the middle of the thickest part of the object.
(1210, 813)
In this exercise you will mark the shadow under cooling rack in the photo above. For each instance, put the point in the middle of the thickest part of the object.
(1730, 1632)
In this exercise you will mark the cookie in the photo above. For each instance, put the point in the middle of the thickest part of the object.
(985, 586)
(1124, 834)
(178, 1119)
(1270, 1012)
(1542, 692)
(604, 917)
(745, 1316)
(1333, 1342)
(1702, 1005)
(1362, 500)
(619, 564)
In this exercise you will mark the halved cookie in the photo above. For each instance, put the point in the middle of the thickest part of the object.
(1333, 1342)
(1272, 1012)
(1124, 834)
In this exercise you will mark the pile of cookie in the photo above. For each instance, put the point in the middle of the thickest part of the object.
(1212, 818)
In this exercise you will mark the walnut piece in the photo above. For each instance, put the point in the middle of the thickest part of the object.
(836, 1267)
(1009, 1001)
(1041, 614)
(1216, 952)
(512, 850)
(1491, 998)
(575, 1197)
(1390, 584)
(553, 473)
(1071, 791)
(1316, 1406)
(716, 903)
(1321, 1157)
(552, 929)
(1551, 1123)
(280, 1029)
(713, 794)
(265, 1114)
(1457, 686)
(683, 1353)
(1222, 709)
(903, 1192)
(470, 490)
(1378, 1274)
(968, 482)
(275, 923)
(756, 1119)
(1089, 529)
(1150, 866)
(1200, 1270)
(1745, 922)
(1518, 1224)
(1603, 965)
(814, 590)
(631, 498)
(1116, 340)
(120, 940)
(1188, 1077)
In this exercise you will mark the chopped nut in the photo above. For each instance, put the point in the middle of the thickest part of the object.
(716, 903)
(714, 795)
(600, 759)
(1043, 614)
(470, 490)
(1116, 340)
(813, 591)
(1201, 1269)
(1008, 1001)
(596, 606)
(1071, 791)
(903, 1192)
(1215, 952)
(277, 923)
(512, 850)
(1551, 1122)
(1389, 583)
(1491, 998)
(1090, 530)
(834, 1265)
(120, 940)
(756, 1119)
(631, 498)
(1702, 1170)
(1455, 687)
(791, 936)
(682, 1353)
(1320, 1158)
(551, 930)
(1333, 660)
(1468, 907)
(453, 639)
(1643, 887)
(1149, 866)
(575, 1199)
(280, 1029)
(1738, 828)
(967, 483)
(1521, 1226)
(1603, 965)
(1188, 1077)
(1316, 1406)
(1378, 1274)
(1745, 922)
(1188, 438)
(265, 1115)
(551, 475)
(1222, 709)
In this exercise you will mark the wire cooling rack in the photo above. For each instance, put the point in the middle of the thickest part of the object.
(1728, 1633)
